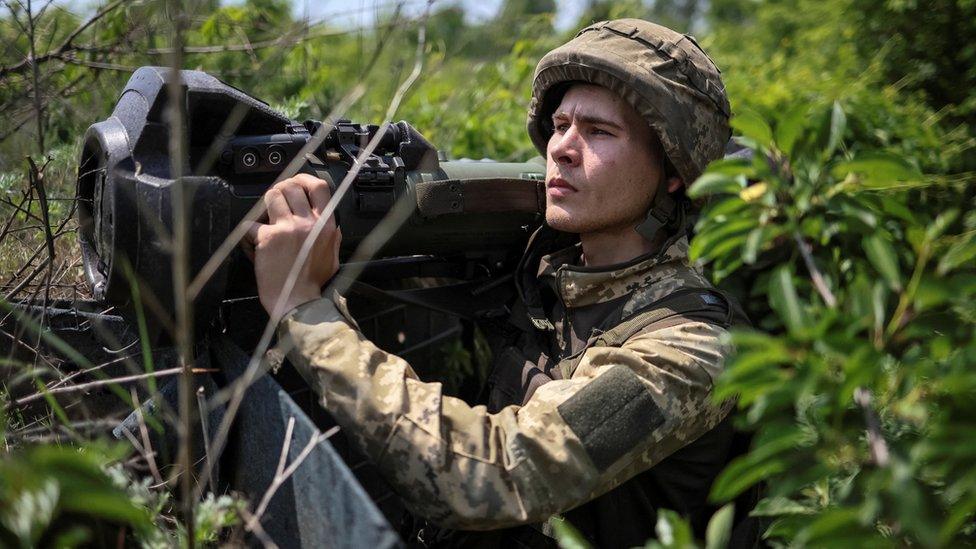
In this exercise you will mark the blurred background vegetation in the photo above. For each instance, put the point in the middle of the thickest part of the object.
(851, 238)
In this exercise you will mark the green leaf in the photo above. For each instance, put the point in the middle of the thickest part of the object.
(672, 530)
(30, 512)
(567, 535)
(932, 292)
(719, 530)
(751, 248)
(896, 207)
(750, 124)
(879, 297)
(962, 513)
(838, 124)
(882, 256)
(789, 127)
(776, 506)
(836, 525)
(724, 267)
(858, 214)
(941, 223)
(784, 299)
(741, 475)
(723, 206)
(705, 242)
(962, 252)
(74, 536)
(731, 166)
(715, 183)
(878, 170)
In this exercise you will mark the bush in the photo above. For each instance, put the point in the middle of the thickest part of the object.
(858, 270)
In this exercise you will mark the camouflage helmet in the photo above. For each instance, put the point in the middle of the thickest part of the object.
(663, 74)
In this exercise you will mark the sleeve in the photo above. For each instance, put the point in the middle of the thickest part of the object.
(623, 410)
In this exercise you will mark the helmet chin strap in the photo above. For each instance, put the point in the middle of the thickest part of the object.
(664, 212)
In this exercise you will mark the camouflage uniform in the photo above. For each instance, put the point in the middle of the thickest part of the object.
(568, 420)
(466, 467)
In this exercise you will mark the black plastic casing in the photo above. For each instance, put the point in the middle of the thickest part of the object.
(126, 192)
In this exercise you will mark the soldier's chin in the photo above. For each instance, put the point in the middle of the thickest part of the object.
(562, 220)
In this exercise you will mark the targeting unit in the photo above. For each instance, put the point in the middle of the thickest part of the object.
(237, 147)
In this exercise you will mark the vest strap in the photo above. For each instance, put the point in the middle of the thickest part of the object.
(705, 304)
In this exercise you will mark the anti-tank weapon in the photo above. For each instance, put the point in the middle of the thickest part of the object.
(464, 219)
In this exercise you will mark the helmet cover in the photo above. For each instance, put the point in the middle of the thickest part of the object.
(663, 74)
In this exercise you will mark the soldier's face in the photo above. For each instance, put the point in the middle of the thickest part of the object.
(603, 163)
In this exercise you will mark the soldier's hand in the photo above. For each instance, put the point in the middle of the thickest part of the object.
(294, 205)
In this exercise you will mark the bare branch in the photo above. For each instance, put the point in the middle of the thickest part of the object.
(26, 280)
(65, 46)
(876, 440)
(73, 60)
(281, 472)
(113, 381)
(65, 92)
(258, 531)
(205, 429)
(36, 76)
(287, 40)
(94, 424)
(815, 275)
(180, 268)
(13, 216)
(144, 433)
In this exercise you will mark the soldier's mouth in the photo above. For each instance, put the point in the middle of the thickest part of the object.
(558, 187)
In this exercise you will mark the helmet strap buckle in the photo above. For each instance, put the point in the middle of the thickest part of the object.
(662, 213)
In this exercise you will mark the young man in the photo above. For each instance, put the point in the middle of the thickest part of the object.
(601, 411)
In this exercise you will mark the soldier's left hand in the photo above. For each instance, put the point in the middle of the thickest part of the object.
(294, 205)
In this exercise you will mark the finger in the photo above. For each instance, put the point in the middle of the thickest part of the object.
(248, 250)
(249, 242)
(297, 199)
(251, 236)
(277, 205)
(319, 192)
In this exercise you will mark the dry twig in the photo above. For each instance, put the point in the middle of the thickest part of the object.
(113, 381)
(282, 473)
(66, 46)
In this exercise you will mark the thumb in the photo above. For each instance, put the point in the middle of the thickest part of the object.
(250, 240)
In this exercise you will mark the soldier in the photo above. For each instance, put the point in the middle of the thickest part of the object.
(600, 410)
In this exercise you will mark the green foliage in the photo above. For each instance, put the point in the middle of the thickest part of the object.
(849, 239)
(857, 369)
(567, 535)
(922, 50)
(63, 496)
(674, 532)
(60, 496)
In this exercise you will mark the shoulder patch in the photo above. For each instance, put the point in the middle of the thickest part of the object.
(711, 299)
(611, 415)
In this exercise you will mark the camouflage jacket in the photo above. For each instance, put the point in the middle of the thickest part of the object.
(618, 412)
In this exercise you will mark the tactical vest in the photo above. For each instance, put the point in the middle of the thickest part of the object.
(516, 374)
(625, 516)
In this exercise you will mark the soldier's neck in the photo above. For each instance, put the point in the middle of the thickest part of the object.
(618, 245)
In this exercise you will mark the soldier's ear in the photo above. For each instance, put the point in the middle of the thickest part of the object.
(675, 183)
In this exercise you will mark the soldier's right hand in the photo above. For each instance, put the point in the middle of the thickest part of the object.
(294, 207)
